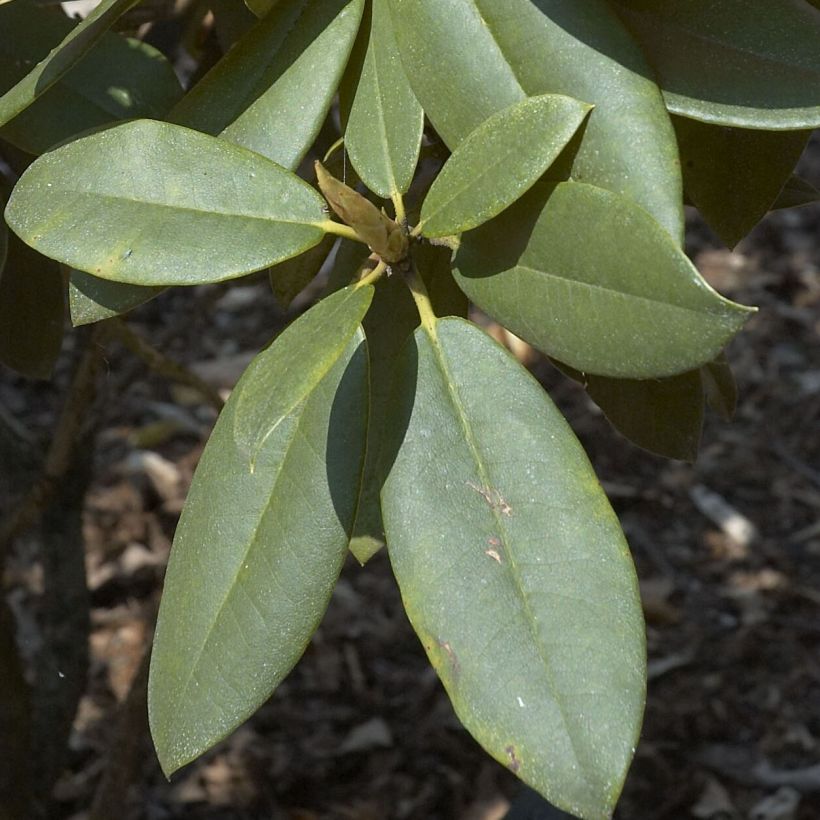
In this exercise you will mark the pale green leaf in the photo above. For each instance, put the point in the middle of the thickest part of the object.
(273, 89)
(733, 176)
(384, 126)
(61, 58)
(305, 353)
(151, 203)
(499, 161)
(31, 311)
(118, 79)
(745, 63)
(91, 299)
(513, 569)
(590, 278)
(257, 552)
(468, 59)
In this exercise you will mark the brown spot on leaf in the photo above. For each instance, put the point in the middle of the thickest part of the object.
(494, 555)
(454, 664)
(493, 498)
(515, 764)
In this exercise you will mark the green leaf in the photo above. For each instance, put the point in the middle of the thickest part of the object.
(91, 299)
(231, 21)
(119, 79)
(31, 312)
(385, 123)
(720, 387)
(733, 176)
(468, 59)
(390, 320)
(273, 89)
(261, 7)
(306, 351)
(61, 58)
(499, 161)
(149, 203)
(257, 552)
(796, 193)
(513, 569)
(588, 277)
(288, 279)
(663, 416)
(745, 63)
(4, 237)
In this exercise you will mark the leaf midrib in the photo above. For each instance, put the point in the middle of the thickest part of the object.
(505, 540)
(725, 313)
(189, 208)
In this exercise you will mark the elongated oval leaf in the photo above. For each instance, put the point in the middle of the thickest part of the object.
(746, 63)
(499, 162)
(120, 78)
(305, 353)
(588, 277)
(273, 89)
(256, 555)
(91, 299)
(61, 58)
(513, 569)
(31, 312)
(384, 127)
(468, 59)
(733, 176)
(150, 203)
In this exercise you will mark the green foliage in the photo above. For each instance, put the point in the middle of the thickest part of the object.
(381, 416)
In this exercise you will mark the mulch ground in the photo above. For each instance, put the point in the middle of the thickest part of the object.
(362, 729)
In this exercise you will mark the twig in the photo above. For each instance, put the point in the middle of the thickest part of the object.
(74, 415)
(160, 363)
(125, 748)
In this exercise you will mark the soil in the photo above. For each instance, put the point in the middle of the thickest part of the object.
(362, 729)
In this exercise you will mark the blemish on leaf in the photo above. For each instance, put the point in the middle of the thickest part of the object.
(493, 498)
(456, 666)
(494, 555)
(515, 764)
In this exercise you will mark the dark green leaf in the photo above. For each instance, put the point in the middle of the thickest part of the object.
(150, 203)
(468, 59)
(257, 551)
(389, 321)
(733, 176)
(272, 91)
(664, 416)
(590, 278)
(91, 299)
(797, 192)
(31, 312)
(499, 161)
(384, 126)
(513, 569)
(720, 387)
(53, 65)
(745, 63)
(288, 279)
(305, 353)
(231, 21)
(118, 79)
